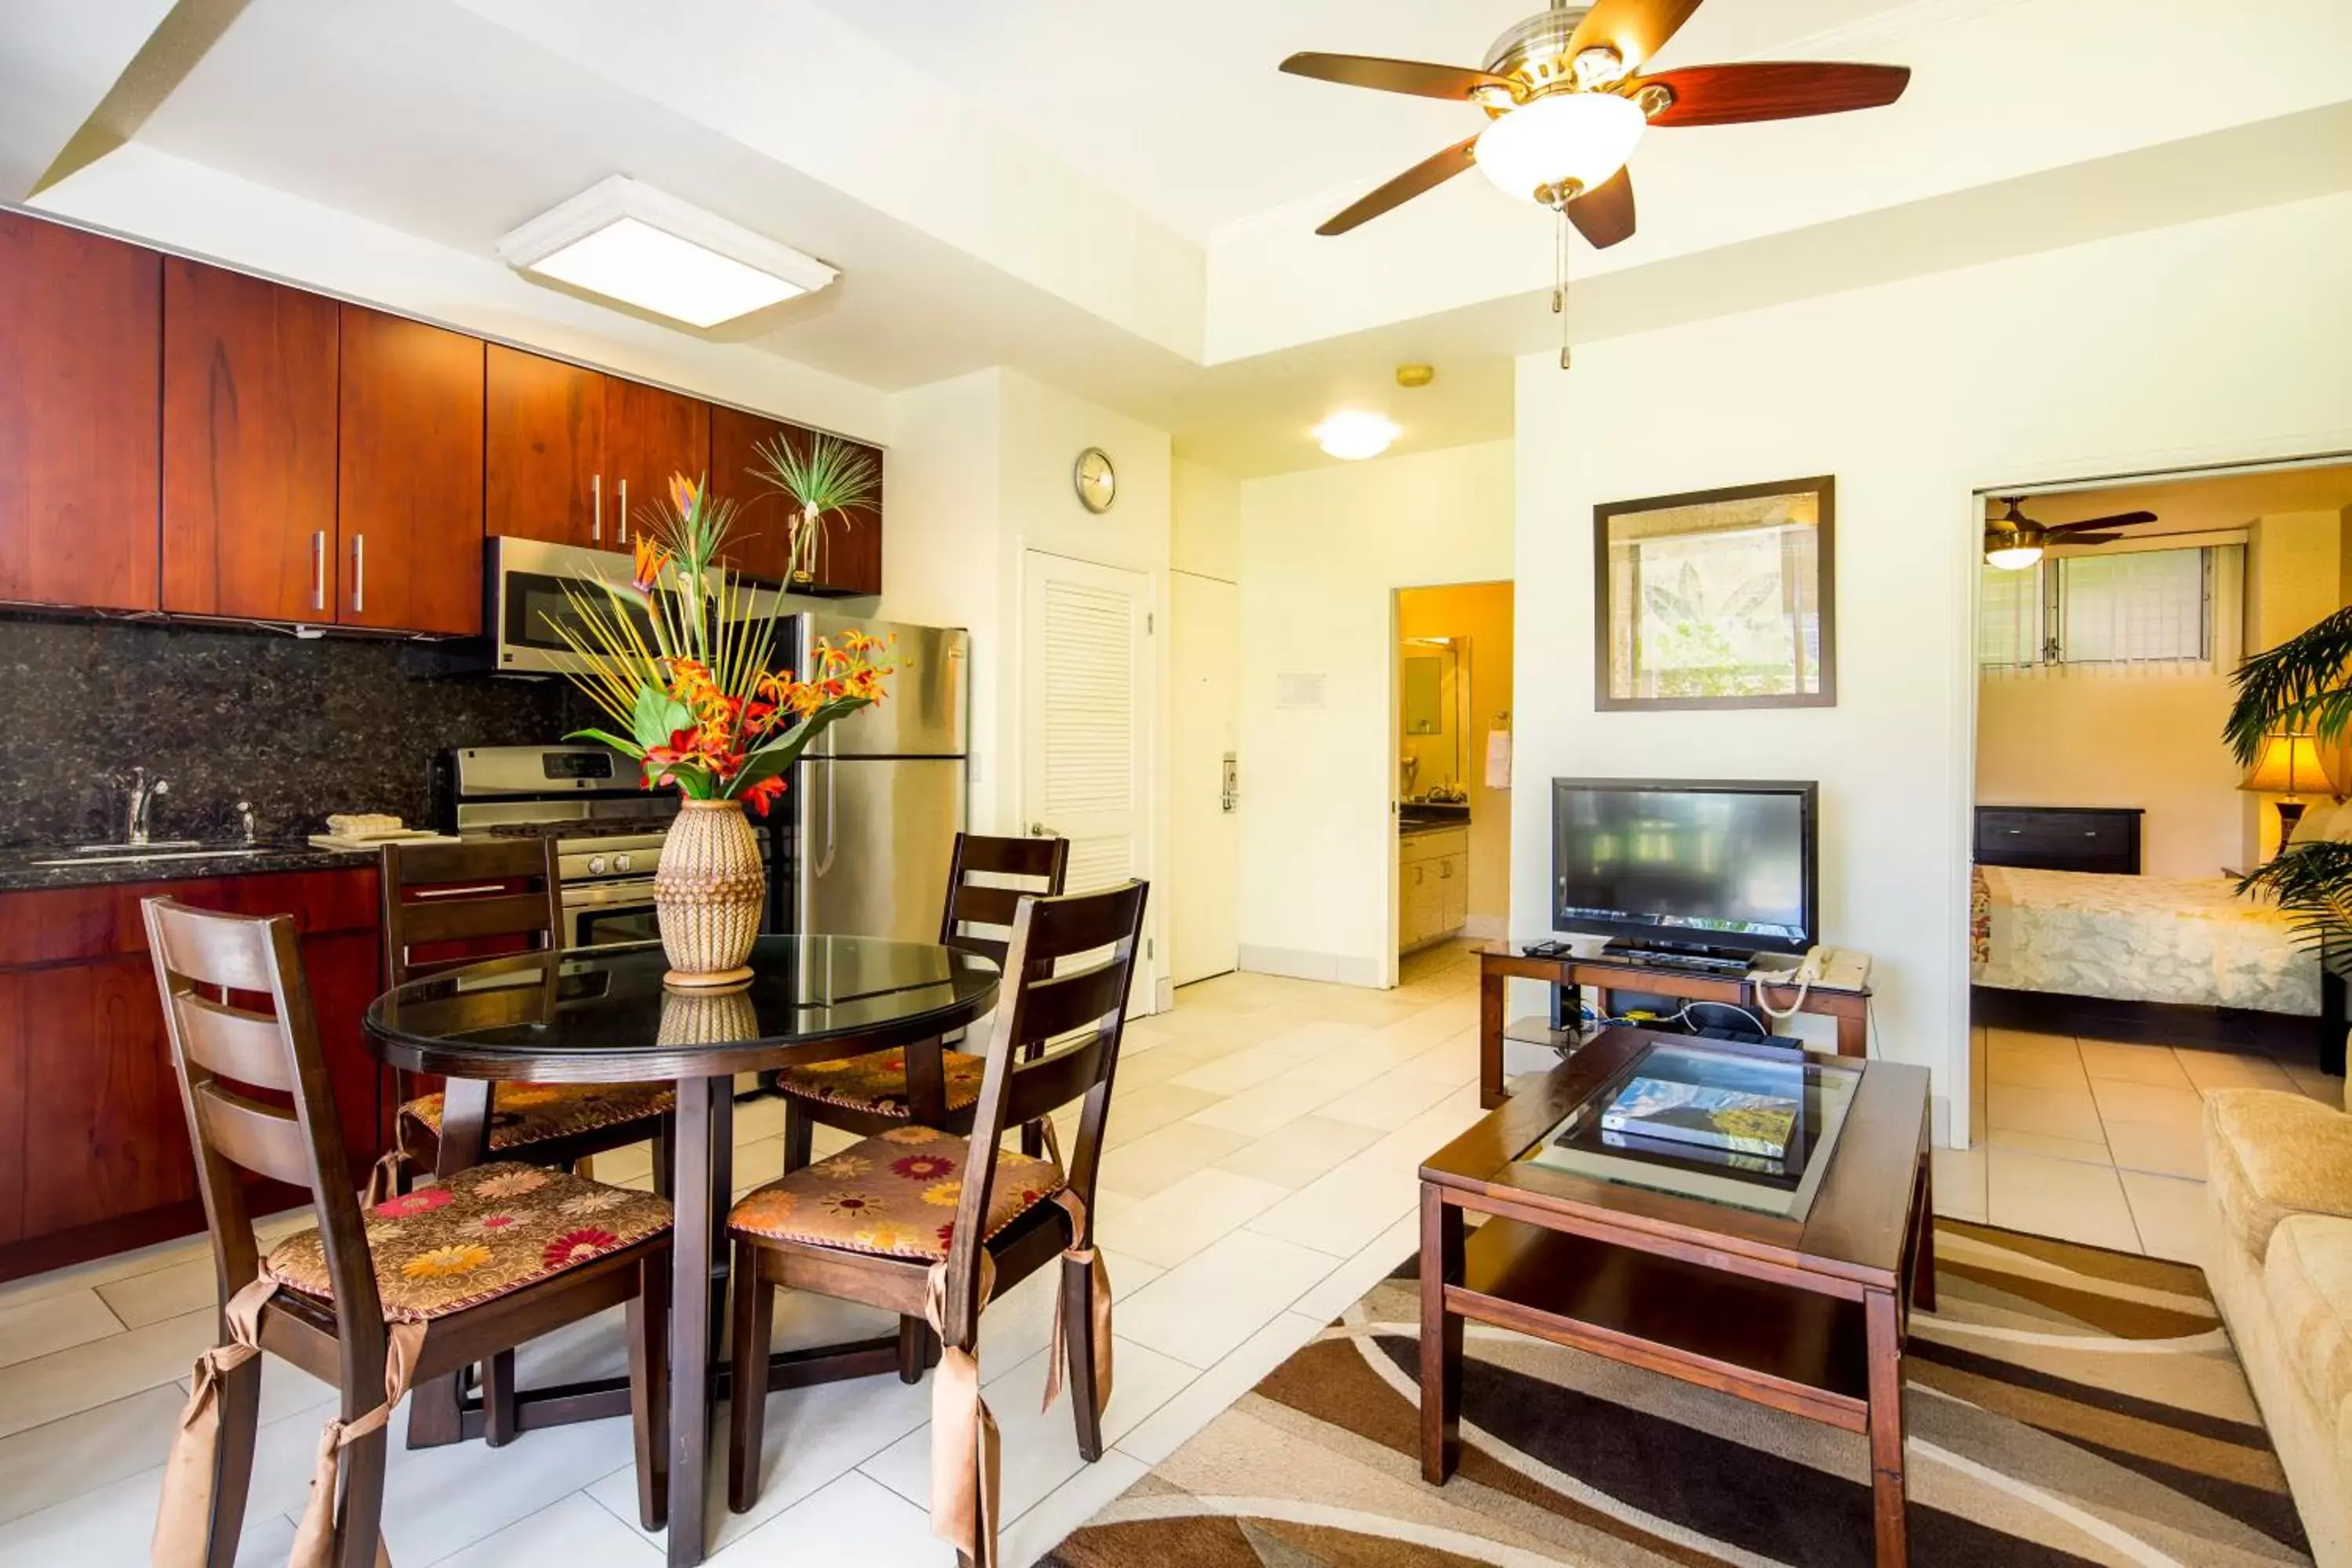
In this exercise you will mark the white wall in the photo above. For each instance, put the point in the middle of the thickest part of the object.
(1323, 553)
(1207, 522)
(2209, 342)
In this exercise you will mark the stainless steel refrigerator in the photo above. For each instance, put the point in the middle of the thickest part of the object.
(869, 824)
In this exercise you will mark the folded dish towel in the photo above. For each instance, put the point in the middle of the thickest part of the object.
(363, 824)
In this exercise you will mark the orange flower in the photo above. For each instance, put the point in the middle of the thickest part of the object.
(684, 494)
(650, 559)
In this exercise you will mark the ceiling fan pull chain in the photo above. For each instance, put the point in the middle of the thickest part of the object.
(1559, 283)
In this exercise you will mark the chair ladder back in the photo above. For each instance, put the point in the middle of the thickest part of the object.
(435, 894)
(1016, 1088)
(216, 1045)
(1042, 861)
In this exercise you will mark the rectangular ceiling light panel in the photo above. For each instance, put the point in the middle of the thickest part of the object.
(632, 243)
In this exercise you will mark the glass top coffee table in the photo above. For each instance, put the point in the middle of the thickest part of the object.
(1751, 1219)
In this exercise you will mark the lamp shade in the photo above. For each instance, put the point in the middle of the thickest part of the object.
(2288, 764)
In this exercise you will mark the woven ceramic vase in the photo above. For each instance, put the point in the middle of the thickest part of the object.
(708, 890)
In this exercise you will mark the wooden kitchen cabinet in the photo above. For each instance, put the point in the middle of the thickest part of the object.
(409, 485)
(93, 1140)
(849, 550)
(1433, 885)
(543, 450)
(649, 435)
(80, 483)
(248, 447)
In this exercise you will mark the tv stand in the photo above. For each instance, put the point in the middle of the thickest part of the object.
(1499, 962)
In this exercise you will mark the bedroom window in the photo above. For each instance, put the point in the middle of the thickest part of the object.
(2111, 607)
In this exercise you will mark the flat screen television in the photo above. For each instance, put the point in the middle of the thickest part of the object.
(1684, 866)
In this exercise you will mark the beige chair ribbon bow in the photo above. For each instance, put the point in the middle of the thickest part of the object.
(1098, 1310)
(314, 1537)
(185, 1515)
(964, 1455)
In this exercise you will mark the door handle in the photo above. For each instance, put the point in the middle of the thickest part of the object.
(621, 523)
(832, 781)
(1039, 830)
(596, 508)
(318, 570)
(359, 573)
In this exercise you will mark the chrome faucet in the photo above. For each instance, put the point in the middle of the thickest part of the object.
(142, 802)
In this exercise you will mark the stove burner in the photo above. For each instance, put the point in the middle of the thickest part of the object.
(644, 823)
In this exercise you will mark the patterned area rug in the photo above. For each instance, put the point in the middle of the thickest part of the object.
(2065, 1405)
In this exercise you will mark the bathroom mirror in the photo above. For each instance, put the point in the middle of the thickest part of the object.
(1433, 696)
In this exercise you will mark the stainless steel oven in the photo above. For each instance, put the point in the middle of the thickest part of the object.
(617, 910)
(529, 593)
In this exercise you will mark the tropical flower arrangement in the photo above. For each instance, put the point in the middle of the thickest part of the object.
(678, 660)
(823, 479)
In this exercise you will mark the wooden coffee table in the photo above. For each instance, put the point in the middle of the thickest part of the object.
(1805, 1312)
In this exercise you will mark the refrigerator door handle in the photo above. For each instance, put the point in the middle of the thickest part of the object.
(832, 782)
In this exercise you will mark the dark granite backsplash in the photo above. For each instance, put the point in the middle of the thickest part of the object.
(299, 728)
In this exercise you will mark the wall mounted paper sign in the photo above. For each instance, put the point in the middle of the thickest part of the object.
(1716, 599)
(1298, 691)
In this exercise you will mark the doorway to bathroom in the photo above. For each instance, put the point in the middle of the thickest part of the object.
(1451, 743)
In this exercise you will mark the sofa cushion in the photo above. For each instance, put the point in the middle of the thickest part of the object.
(2307, 1276)
(2270, 1154)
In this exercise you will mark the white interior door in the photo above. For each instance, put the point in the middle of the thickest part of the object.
(1204, 849)
(1085, 725)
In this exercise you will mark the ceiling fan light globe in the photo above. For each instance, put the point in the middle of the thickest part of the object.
(1561, 140)
(2013, 557)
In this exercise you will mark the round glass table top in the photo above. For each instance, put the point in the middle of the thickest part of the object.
(603, 1014)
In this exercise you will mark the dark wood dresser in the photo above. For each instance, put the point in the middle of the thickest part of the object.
(2103, 839)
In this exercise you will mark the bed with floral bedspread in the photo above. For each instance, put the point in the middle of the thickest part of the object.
(2187, 941)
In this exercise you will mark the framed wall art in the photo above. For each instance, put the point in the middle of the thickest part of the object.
(1716, 599)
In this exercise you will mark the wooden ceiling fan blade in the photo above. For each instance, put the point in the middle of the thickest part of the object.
(2057, 538)
(1636, 30)
(1771, 89)
(2120, 519)
(1416, 77)
(1604, 214)
(1426, 176)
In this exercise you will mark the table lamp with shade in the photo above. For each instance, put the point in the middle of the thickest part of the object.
(2288, 766)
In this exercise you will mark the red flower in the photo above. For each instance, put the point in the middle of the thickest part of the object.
(424, 1200)
(763, 794)
(922, 1167)
(577, 1247)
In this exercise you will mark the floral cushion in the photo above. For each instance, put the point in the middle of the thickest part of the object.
(481, 1233)
(876, 1082)
(895, 1196)
(524, 1113)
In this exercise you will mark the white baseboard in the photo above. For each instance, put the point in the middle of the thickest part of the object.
(1298, 964)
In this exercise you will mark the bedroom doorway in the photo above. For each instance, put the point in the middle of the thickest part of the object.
(2118, 975)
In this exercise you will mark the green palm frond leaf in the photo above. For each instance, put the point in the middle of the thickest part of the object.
(826, 475)
(2313, 883)
(2298, 686)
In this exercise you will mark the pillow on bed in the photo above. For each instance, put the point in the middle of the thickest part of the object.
(2322, 821)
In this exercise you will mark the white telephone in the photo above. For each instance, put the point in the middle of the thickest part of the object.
(1835, 968)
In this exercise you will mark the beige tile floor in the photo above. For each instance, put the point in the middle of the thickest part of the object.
(1259, 1175)
(2098, 1140)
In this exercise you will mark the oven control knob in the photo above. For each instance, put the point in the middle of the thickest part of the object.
(596, 865)
(620, 862)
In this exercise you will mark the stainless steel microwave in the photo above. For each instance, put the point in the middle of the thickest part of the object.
(530, 588)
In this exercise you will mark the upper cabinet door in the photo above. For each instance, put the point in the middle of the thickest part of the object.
(248, 447)
(543, 451)
(410, 490)
(758, 545)
(80, 481)
(649, 436)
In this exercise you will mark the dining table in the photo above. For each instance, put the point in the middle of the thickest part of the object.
(609, 1015)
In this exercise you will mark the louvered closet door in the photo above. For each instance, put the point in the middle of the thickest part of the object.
(1085, 773)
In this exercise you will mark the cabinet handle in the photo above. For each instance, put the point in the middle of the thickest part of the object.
(622, 533)
(359, 573)
(318, 570)
(596, 502)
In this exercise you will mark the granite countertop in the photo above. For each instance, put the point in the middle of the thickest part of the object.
(19, 874)
(1411, 830)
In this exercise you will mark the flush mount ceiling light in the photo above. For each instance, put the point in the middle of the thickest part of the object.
(1354, 434)
(645, 248)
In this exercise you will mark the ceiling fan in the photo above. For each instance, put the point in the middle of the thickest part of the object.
(2014, 542)
(1567, 101)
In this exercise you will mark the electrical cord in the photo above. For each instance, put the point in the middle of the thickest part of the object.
(1683, 1017)
(1761, 985)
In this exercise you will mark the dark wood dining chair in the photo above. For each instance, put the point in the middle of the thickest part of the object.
(368, 1300)
(921, 1222)
(448, 904)
(928, 1084)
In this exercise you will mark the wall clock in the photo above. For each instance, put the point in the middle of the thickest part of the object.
(1096, 484)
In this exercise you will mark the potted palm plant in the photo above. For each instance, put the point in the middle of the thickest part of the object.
(680, 662)
(2302, 686)
(824, 478)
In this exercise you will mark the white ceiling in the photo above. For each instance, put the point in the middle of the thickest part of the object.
(1118, 198)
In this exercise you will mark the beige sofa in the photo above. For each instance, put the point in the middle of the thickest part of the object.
(2279, 1170)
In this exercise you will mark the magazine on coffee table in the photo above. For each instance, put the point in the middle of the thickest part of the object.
(1714, 1116)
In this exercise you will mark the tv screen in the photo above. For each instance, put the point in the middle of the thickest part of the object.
(1726, 866)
